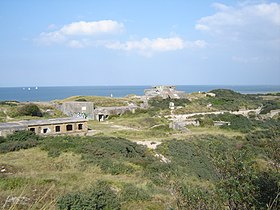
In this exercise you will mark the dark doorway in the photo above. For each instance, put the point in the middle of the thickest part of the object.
(80, 126)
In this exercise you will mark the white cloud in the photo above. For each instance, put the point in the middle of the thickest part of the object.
(85, 34)
(145, 44)
(245, 22)
(75, 44)
(92, 28)
(148, 46)
(81, 28)
(50, 38)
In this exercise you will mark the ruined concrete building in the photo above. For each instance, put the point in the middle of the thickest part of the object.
(164, 92)
(103, 113)
(56, 126)
(78, 109)
(87, 110)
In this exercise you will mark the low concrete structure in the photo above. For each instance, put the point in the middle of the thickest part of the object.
(78, 109)
(9, 128)
(87, 110)
(56, 126)
(164, 92)
(103, 113)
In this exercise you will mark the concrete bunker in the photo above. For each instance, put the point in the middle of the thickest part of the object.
(47, 127)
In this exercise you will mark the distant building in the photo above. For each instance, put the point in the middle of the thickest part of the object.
(87, 110)
(210, 94)
(47, 126)
(102, 113)
(77, 109)
(164, 92)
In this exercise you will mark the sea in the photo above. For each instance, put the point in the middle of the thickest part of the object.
(36, 94)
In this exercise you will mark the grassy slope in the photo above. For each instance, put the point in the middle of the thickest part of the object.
(32, 173)
(101, 101)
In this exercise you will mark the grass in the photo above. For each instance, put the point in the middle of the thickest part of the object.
(192, 180)
(9, 112)
(102, 101)
(214, 131)
(34, 173)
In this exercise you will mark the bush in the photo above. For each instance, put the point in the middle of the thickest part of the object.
(206, 122)
(230, 100)
(268, 106)
(81, 99)
(114, 167)
(17, 145)
(133, 193)
(18, 140)
(268, 189)
(9, 103)
(99, 196)
(237, 122)
(161, 103)
(30, 110)
(194, 197)
(112, 155)
(22, 136)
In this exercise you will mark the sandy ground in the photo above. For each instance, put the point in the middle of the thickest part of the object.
(149, 144)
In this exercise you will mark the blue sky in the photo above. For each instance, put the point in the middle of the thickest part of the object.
(140, 42)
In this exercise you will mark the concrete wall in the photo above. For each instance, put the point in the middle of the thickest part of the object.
(103, 113)
(51, 129)
(78, 109)
(88, 111)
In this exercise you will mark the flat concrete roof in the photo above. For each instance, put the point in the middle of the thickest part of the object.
(25, 123)
(11, 125)
(52, 121)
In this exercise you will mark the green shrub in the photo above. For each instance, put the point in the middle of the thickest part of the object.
(100, 196)
(237, 122)
(81, 99)
(30, 110)
(2, 139)
(230, 100)
(54, 153)
(268, 106)
(268, 187)
(114, 167)
(195, 197)
(206, 122)
(17, 145)
(9, 103)
(161, 103)
(132, 193)
(110, 154)
(188, 158)
(22, 136)
(18, 140)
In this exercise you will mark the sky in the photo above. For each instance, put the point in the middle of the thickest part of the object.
(139, 42)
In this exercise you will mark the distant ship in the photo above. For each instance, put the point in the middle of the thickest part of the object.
(29, 88)
(36, 88)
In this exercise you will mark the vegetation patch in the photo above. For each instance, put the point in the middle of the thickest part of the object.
(18, 140)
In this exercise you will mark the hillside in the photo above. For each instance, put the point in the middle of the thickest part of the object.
(232, 166)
